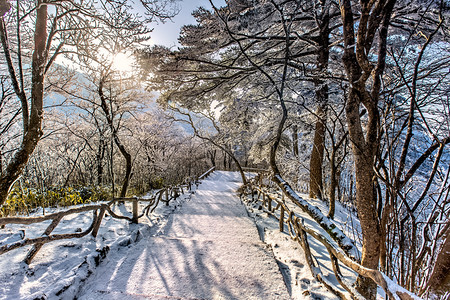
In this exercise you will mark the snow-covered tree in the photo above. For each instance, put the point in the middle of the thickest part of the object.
(33, 34)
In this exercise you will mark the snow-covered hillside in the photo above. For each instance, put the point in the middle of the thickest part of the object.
(61, 267)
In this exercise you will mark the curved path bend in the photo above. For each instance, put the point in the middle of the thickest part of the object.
(208, 249)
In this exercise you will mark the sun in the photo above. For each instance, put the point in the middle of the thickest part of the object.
(123, 62)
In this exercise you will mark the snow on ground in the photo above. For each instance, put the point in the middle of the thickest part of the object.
(208, 249)
(202, 246)
(64, 265)
(290, 254)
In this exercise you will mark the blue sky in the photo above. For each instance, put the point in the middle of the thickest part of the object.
(167, 34)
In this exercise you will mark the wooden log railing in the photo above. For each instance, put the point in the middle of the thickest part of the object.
(255, 170)
(206, 174)
(273, 201)
(164, 195)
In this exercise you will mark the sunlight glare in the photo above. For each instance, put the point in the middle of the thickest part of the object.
(123, 62)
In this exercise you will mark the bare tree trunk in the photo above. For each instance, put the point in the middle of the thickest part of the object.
(373, 17)
(333, 185)
(224, 160)
(335, 173)
(295, 140)
(317, 154)
(111, 169)
(238, 164)
(32, 121)
(440, 276)
(338, 180)
(370, 226)
(122, 149)
(212, 156)
(100, 156)
(128, 166)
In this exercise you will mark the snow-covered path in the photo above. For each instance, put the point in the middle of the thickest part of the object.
(208, 249)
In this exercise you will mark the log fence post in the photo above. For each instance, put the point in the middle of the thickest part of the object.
(135, 211)
(282, 219)
(99, 221)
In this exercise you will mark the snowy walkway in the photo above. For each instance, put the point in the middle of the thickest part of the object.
(208, 249)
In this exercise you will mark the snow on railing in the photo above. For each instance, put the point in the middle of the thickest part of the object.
(164, 195)
(206, 174)
(299, 232)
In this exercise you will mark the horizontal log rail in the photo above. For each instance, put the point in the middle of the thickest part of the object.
(255, 170)
(206, 174)
(164, 195)
(273, 201)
